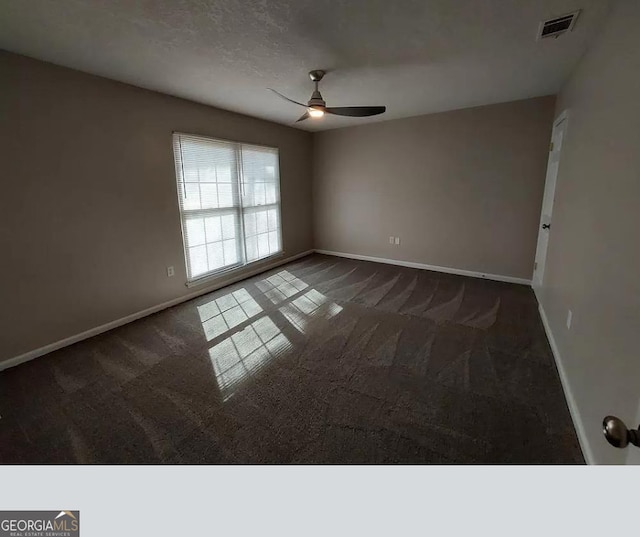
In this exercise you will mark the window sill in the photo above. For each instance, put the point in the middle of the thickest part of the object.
(230, 272)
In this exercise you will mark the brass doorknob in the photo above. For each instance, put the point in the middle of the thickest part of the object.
(617, 433)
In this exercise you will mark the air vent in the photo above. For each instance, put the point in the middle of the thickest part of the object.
(557, 26)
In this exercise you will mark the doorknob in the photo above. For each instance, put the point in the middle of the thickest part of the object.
(546, 226)
(617, 434)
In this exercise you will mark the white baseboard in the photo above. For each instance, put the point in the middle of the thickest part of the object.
(566, 386)
(17, 360)
(411, 264)
(575, 414)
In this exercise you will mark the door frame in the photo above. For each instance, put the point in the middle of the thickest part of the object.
(563, 117)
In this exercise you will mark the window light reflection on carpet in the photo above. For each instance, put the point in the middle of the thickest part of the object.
(227, 312)
(243, 354)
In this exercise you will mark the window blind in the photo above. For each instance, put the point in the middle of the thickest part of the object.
(229, 199)
(260, 201)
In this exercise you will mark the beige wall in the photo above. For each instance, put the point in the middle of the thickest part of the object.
(593, 264)
(461, 189)
(89, 217)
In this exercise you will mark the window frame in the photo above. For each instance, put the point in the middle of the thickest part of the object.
(239, 210)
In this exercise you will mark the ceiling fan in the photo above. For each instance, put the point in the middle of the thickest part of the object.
(317, 107)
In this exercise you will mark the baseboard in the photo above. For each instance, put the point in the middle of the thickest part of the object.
(575, 414)
(411, 264)
(17, 360)
(566, 386)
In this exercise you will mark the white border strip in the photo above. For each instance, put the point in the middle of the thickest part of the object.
(578, 424)
(17, 360)
(411, 264)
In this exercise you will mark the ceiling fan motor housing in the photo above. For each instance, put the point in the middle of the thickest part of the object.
(316, 99)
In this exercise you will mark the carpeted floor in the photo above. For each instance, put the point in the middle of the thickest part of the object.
(324, 360)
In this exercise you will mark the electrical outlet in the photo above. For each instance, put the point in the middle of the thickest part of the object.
(392, 240)
(170, 272)
(569, 318)
(397, 240)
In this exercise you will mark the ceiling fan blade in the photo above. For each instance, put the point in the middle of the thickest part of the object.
(356, 111)
(286, 98)
(303, 117)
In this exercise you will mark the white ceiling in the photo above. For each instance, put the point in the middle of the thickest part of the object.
(414, 56)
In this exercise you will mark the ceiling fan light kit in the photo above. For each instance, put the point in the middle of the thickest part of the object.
(317, 107)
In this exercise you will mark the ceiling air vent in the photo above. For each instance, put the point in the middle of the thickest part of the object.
(559, 25)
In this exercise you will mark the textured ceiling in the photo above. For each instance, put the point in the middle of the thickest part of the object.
(414, 56)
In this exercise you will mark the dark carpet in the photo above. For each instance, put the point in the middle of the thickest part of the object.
(324, 360)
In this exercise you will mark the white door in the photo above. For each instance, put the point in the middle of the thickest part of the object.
(557, 136)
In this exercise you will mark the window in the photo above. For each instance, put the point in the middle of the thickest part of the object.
(229, 197)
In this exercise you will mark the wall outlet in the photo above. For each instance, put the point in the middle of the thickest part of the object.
(397, 240)
(569, 318)
(170, 272)
(392, 240)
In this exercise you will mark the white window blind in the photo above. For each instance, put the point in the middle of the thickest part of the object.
(229, 198)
